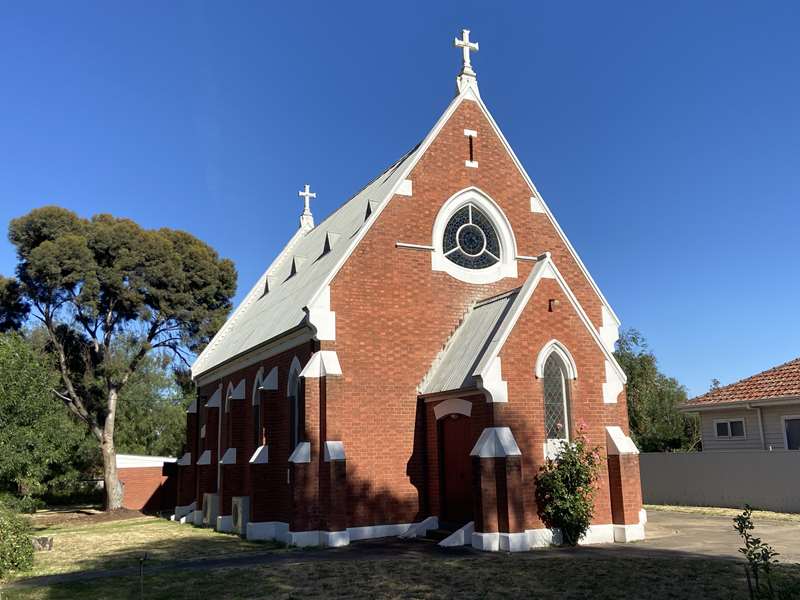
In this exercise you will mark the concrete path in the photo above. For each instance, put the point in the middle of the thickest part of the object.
(668, 533)
(713, 535)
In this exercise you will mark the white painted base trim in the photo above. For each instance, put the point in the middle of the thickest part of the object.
(642, 516)
(598, 534)
(224, 524)
(542, 538)
(303, 538)
(334, 539)
(421, 528)
(628, 533)
(489, 542)
(460, 537)
(378, 531)
(182, 511)
(514, 542)
(267, 530)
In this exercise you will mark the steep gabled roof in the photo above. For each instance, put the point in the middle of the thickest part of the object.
(778, 383)
(469, 356)
(276, 303)
(264, 317)
(455, 367)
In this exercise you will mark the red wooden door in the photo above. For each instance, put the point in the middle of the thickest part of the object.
(456, 443)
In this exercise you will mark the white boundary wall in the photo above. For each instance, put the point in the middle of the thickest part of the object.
(766, 480)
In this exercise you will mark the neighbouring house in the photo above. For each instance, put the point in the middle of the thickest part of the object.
(411, 361)
(149, 483)
(761, 412)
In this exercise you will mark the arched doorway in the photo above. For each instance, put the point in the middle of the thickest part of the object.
(455, 443)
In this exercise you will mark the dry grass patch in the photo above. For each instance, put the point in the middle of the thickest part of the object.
(529, 575)
(121, 543)
(725, 512)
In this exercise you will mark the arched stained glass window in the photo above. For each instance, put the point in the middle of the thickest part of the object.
(470, 239)
(556, 400)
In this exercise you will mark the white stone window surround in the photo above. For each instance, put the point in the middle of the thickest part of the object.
(552, 446)
(505, 267)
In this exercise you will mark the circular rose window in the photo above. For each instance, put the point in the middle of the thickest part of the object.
(470, 240)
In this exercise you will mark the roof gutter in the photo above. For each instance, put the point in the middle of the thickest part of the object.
(740, 404)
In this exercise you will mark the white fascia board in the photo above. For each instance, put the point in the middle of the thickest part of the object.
(280, 344)
(547, 210)
(618, 443)
(496, 442)
(324, 363)
(334, 451)
(301, 453)
(132, 461)
(198, 367)
(260, 456)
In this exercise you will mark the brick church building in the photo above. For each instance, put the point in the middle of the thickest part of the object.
(410, 362)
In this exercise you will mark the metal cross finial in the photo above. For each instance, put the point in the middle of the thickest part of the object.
(466, 47)
(307, 194)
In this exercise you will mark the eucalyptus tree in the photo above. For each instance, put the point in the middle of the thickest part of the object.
(109, 293)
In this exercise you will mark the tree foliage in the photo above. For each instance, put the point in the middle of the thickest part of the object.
(656, 424)
(151, 418)
(109, 293)
(38, 439)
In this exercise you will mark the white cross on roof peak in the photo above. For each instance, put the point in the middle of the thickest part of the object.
(466, 47)
(306, 219)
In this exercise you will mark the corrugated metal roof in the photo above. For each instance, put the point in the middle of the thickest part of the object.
(454, 368)
(264, 316)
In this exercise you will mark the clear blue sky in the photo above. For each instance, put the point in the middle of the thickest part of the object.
(664, 136)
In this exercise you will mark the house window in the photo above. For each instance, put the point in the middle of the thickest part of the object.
(470, 240)
(791, 427)
(556, 412)
(730, 429)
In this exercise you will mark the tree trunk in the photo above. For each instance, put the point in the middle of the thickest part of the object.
(113, 486)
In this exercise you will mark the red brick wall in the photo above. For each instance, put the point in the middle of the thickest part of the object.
(394, 315)
(147, 488)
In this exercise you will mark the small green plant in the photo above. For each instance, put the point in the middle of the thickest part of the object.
(565, 488)
(16, 548)
(760, 557)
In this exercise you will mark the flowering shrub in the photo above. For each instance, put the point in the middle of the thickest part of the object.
(565, 488)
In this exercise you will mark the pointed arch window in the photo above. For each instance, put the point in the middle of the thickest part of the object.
(556, 398)
(294, 394)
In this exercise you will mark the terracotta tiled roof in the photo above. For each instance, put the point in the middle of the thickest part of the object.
(782, 381)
